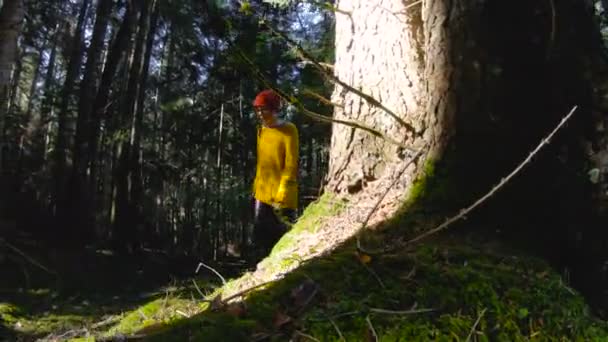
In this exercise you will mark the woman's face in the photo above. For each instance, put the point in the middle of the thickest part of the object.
(265, 114)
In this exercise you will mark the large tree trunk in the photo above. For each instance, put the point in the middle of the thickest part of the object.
(11, 16)
(382, 54)
(482, 83)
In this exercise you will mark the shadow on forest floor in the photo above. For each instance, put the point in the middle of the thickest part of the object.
(92, 290)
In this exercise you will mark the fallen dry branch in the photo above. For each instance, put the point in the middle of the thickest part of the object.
(371, 329)
(333, 323)
(212, 270)
(463, 213)
(246, 291)
(311, 338)
(401, 312)
(27, 257)
(475, 324)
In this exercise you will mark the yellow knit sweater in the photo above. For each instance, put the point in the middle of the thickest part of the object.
(277, 166)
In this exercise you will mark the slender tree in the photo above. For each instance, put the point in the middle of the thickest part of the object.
(11, 17)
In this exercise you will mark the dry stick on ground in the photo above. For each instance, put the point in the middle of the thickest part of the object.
(369, 269)
(212, 270)
(316, 116)
(371, 328)
(27, 257)
(475, 324)
(503, 181)
(245, 291)
(336, 328)
(400, 312)
(298, 332)
(370, 99)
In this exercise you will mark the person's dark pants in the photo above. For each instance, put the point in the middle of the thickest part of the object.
(269, 225)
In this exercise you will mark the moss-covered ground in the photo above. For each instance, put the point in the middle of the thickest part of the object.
(449, 288)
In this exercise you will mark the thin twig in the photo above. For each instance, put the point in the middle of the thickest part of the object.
(306, 335)
(336, 328)
(400, 312)
(27, 257)
(371, 328)
(464, 212)
(369, 269)
(212, 270)
(198, 289)
(182, 313)
(553, 28)
(310, 93)
(106, 321)
(245, 291)
(475, 324)
(412, 5)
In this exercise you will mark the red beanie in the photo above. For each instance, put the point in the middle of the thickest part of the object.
(267, 98)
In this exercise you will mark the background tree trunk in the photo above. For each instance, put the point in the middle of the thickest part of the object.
(64, 120)
(11, 16)
(80, 205)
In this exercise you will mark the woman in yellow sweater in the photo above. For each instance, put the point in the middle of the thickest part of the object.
(275, 188)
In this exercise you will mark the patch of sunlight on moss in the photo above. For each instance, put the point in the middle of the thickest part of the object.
(312, 218)
(9, 313)
(161, 310)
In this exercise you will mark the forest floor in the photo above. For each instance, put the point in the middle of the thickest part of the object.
(316, 285)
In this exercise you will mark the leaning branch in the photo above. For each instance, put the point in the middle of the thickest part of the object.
(310, 93)
(296, 103)
(212, 270)
(370, 99)
(27, 257)
(504, 181)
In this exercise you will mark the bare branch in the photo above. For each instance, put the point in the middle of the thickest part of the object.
(296, 103)
(464, 212)
(400, 312)
(371, 328)
(370, 99)
(245, 291)
(212, 270)
(27, 257)
(310, 93)
(336, 328)
(475, 324)
(306, 335)
(369, 269)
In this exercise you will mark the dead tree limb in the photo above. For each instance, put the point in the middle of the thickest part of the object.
(330, 76)
(463, 212)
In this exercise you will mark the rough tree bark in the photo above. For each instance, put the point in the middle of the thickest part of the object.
(480, 92)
